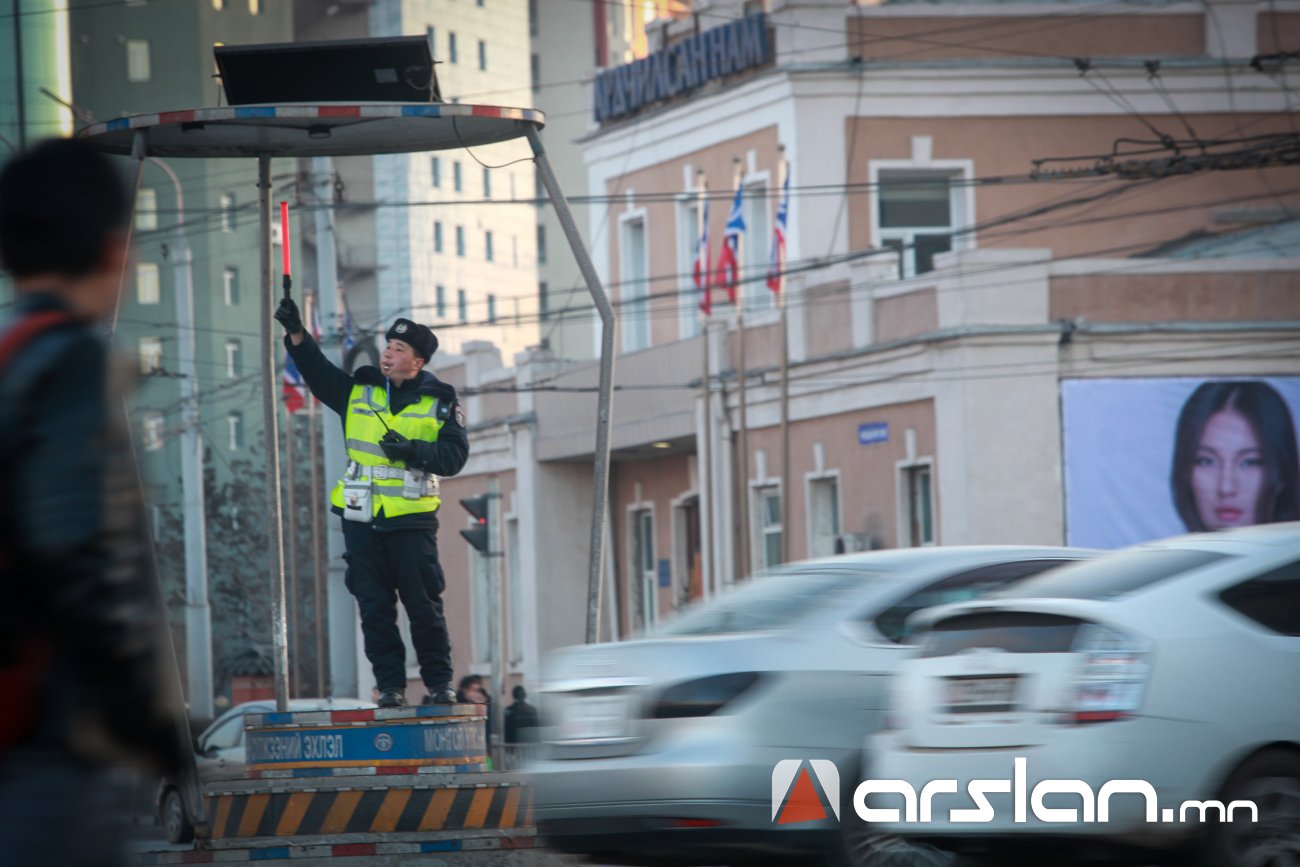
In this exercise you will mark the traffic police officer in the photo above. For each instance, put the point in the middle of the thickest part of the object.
(402, 430)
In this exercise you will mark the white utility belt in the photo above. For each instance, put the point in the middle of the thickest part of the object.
(358, 488)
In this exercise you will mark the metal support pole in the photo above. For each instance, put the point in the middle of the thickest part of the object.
(604, 401)
(318, 567)
(704, 452)
(492, 567)
(271, 443)
(786, 478)
(743, 421)
(19, 82)
(291, 562)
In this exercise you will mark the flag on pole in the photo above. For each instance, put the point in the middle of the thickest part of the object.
(776, 265)
(729, 259)
(294, 393)
(703, 281)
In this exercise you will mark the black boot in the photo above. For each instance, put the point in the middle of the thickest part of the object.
(392, 698)
(442, 694)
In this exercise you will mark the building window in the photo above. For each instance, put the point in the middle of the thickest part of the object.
(151, 431)
(235, 427)
(916, 217)
(917, 489)
(230, 286)
(462, 306)
(234, 363)
(488, 251)
(435, 171)
(543, 301)
(535, 71)
(643, 565)
(823, 516)
(768, 502)
(147, 290)
(451, 47)
(634, 291)
(137, 60)
(482, 55)
(440, 301)
(456, 183)
(487, 183)
(229, 218)
(460, 241)
(541, 244)
(146, 209)
(514, 594)
(150, 355)
(688, 297)
(492, 309)
(433, 40)
(757, 247)
(532, 17)
(478, 3)
(437, 236)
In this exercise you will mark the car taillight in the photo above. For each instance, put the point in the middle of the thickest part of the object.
(1112, 677)
(704, 696)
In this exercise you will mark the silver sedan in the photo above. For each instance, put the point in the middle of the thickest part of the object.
(703, 742)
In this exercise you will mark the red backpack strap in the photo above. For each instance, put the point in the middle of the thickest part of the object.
(22, 332)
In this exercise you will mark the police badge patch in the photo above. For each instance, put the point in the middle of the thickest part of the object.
(444, 411)
(460, 415)
(401, 328)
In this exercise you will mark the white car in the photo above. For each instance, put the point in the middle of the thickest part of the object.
(219, 755)
(1174, 664)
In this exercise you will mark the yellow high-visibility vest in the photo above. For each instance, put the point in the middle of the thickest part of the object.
(367, 404)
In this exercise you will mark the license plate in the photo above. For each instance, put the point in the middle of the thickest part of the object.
(981, 694)
(590, 718)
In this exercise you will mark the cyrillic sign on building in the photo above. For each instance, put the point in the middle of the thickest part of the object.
(683, 67)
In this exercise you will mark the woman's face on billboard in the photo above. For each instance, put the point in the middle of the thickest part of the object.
(1228, 473)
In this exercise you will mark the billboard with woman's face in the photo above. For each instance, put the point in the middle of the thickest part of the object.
(1149, 458)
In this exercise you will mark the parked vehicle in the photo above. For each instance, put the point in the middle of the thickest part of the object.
(664, 747)
(219, 755)
(1175, 663)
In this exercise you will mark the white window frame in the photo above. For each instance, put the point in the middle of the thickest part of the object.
(234, 358)
(146, 209)
(647, 599)
(139, 66)
(230, 286)
(228, 216)
(634, 310)
(148, 283)
(152, 423)
(811, 480)
(759, 530)
(961, 201)
(235, 431)
(902, 476)
(689, 322)
(151, 350)
(756, 247)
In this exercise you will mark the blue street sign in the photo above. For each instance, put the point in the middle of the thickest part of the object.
(873, 432)
(665, 574)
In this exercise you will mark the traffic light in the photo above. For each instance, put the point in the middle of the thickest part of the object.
(479, 535)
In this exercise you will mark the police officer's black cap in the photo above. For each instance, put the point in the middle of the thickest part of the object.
(419, 337)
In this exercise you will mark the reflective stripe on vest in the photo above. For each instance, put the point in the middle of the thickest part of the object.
(365, 426)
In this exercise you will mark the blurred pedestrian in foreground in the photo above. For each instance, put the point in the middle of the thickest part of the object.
(79, 619)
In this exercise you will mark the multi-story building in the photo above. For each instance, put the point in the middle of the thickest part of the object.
(981, 348)
(125, 60)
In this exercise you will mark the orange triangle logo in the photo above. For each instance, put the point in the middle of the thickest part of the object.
(803, 805)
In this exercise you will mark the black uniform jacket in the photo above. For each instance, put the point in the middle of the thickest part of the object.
(333, 387)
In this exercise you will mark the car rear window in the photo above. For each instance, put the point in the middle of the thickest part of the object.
(774, 602)
(1114, 575)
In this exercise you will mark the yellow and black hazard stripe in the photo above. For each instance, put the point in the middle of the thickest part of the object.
(368, 811)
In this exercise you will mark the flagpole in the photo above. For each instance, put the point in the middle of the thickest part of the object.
(318, 585)
(746, 531)
(786, 480)
(295, 679)
(705, 453)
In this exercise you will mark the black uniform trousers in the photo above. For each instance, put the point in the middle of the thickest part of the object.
(383, 567)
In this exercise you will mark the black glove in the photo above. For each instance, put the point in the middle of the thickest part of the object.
(397, 447)
(287, 315)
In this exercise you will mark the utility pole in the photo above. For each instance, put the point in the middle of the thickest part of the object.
(786, 478)
(743, 435)
(706, 455)
(291, 561)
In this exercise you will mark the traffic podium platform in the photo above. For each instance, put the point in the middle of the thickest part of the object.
(368, 787)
